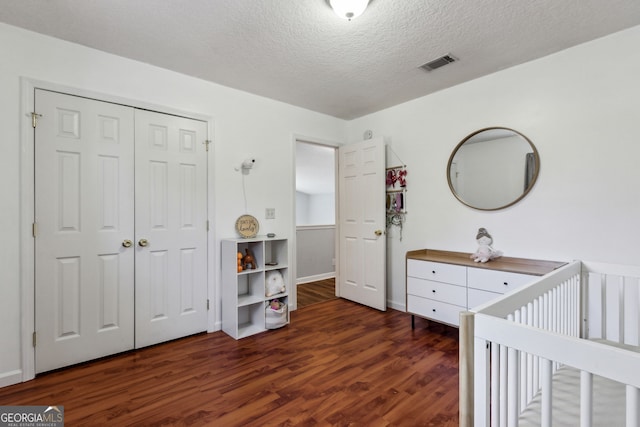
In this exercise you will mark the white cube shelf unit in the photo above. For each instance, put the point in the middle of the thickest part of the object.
(244, 299)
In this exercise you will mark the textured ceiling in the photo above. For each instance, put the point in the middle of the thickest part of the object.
(299, 52)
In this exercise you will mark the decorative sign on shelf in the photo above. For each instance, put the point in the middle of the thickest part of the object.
(247, 226)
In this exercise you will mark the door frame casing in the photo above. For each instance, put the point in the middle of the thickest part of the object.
(292, 256)
(27, 206)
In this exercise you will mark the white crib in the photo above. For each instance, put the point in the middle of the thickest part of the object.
(562, 351)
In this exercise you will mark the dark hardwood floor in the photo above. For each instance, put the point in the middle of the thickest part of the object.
(315, 292)
(337, 363)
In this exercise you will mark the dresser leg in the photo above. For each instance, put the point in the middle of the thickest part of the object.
(413, 321)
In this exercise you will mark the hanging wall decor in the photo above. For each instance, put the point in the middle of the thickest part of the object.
(396, 200)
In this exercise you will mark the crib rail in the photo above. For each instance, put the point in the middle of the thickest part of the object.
(523, 338)
(612, 299)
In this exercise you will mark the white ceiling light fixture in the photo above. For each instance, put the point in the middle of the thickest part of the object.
(348, 9)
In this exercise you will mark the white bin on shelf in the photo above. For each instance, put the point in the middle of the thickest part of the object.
(275, 318)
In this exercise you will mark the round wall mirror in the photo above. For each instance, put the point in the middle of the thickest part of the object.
(493, 168)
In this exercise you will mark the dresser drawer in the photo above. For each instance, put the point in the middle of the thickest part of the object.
(438, 291)
(436, 310)
(446, 273)
(496, 281)
(477, 297)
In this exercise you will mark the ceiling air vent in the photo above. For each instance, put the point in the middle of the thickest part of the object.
(439, 62)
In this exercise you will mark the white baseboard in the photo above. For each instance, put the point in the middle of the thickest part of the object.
(396, 305)
(315, 278)
(10, 378)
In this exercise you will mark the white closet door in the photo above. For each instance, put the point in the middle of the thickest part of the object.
(84, 201)
(171, 234)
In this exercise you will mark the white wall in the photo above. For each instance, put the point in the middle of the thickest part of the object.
(315, 209)
(322, 209)
(302, 208)
(243, 125)
(580, 112)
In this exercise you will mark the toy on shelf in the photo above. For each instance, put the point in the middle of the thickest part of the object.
(274, 283)
(485, 252)
(240, 256)
(276, 314)
(275, 304)
(249, 261)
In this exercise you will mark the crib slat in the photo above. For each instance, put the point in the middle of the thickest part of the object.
(633, 406)
(513, 367)
(613, 294)
(522, 317)
(553, 294)
(481, 383)
(495, 384)
(547, 394)
(631, 312)
(579, 307)
(563, 303)
(595, 312)
(586, 399)
(535, 386)
(504, 390)
(620, 311)
(528, 360)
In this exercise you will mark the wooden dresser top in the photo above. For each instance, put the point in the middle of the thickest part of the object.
(515, 265)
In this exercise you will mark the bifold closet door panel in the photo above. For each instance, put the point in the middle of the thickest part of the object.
(171, 227)
(84, 215)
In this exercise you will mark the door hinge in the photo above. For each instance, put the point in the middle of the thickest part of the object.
(34, 118)
(34, 229)
(34, 338)
(206, 144)
(207, 304)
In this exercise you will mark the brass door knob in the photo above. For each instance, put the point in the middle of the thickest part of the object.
(378, 232)
(143, 242)
(127, 243)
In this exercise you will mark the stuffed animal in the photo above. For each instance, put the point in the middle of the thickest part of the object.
(275, 304)
(484, 252)
(249, 261)
(274, 283)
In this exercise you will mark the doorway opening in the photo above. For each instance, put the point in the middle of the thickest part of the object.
(315, 223)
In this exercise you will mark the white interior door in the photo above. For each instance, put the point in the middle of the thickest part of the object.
(171, 227)
(362, 270)
(84, 204)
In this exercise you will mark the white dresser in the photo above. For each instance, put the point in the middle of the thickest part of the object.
(441, 284)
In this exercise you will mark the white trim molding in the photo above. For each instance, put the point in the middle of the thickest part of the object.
(315, 278)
